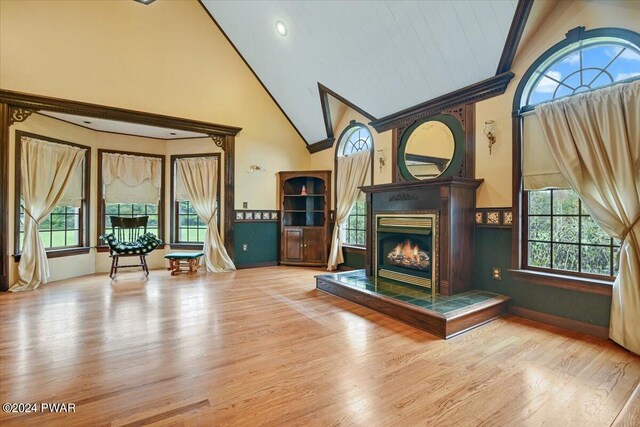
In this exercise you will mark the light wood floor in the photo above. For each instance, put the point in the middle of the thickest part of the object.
(262, 346)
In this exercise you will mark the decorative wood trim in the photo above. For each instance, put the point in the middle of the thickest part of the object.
(578, 284)
(494, 217)
(21, 101)
(101, 204)
(561, 322)
(229, 192)
(19, 115)
(252, 72)
(326, 91)
(326, 111)
(4, 195)
(518, 24)
(85, 212)
(484, 89)
(322, 145)
(256, 216)
(173, 211)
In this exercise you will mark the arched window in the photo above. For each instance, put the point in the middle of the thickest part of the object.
(355, 137)
(558, 235)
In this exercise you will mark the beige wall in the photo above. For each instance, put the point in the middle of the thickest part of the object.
(166, 58)
(547, 25)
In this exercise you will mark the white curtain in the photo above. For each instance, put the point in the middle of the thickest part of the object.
(131, 179)
(47, 170)
(352, 171)
(595, 141)
(200, 179)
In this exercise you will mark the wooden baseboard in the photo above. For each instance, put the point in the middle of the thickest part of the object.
(257, 264)
(561, 322)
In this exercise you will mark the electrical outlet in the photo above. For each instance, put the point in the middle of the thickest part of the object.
(245, 247)
(245, 205)
(496, 273)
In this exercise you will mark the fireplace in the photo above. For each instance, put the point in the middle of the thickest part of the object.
(406, 248)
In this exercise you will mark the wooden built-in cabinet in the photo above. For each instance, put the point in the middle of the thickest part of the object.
(304, 218)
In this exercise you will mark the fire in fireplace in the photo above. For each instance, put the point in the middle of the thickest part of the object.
(406, 248)
(409, 254)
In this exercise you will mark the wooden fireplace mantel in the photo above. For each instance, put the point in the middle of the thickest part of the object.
(454, 199)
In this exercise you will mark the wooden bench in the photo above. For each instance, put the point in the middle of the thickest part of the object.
(193, 260)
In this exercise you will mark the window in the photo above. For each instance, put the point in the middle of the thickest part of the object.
(188, 229)
(559, 235)
(356, 137)
(65, 229)
(133, 210)
(562, 235)
(119, 197)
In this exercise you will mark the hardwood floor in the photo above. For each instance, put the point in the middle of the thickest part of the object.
(262, 346)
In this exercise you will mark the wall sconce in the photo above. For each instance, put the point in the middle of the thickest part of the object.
(255, 168)
(490, 132)
(381, 159)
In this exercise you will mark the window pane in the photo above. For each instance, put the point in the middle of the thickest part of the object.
(540, 228)
(596, 259)
(58, 239)
(152, 209)
(565, 229)
(111, 208)
(592, 233)
(565, 257)
(565, 202)
(540, 202)
(72, 222)
(57, 221)
(72, 238)
(46, 238)
(183, 207)
(616, 259)
(540, 254)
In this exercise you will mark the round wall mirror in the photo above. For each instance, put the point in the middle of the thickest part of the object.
(429, 150)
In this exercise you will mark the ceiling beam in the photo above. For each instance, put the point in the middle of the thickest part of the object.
(515, 34)
(325, 144)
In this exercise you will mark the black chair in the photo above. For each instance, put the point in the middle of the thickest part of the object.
(129, 238)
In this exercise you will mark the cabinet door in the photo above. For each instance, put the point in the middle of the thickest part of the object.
(293, 244)
(314, 244)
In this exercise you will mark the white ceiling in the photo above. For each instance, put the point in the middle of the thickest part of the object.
(383, 56)
(113, 126)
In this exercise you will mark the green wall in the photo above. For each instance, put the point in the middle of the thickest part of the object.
(261, 239)
(353, 260)
(493, 249)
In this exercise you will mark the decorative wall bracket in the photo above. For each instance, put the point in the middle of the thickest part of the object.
(220, 141)
(19, 115)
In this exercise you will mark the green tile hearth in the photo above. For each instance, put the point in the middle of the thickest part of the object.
(414, 295)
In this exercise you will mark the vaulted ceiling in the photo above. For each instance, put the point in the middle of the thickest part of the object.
(383, 56)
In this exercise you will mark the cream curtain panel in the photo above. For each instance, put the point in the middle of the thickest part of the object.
(131, 179)
(595, 141)
(539, 169)
(47, 171)
(352, 171)
(200, 179)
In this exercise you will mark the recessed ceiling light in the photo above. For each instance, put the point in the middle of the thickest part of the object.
(86, 121)
(280, 28)
(172, 133)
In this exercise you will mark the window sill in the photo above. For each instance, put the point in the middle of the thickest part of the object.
(187, 246)
(353, 248)
(580, 284)
(106, 248)
(57, 253)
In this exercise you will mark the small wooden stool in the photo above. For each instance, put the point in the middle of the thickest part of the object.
(193, 260)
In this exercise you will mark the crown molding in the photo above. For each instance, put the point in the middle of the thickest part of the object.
(484, 89)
